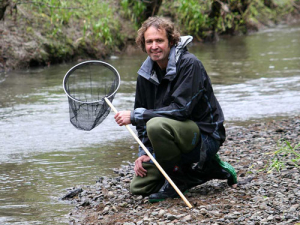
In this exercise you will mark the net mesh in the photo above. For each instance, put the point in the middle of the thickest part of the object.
(86, 85)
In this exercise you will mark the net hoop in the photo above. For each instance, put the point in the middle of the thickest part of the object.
(85, 62)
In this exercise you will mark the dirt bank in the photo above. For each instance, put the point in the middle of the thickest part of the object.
(30, 39)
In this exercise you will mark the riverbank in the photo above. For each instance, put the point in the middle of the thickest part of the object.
(262, 196)
(45, 33)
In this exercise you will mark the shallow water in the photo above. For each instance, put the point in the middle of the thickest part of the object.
(255, 77)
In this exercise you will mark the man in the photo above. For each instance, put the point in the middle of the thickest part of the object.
(176, 114)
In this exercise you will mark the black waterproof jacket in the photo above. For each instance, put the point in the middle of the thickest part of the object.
(184, 93)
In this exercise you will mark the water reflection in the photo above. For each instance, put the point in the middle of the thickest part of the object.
(42, 154)
(32, 187)
(266, 54)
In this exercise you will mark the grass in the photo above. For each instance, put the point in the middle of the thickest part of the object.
(96, 18)
(285, 155)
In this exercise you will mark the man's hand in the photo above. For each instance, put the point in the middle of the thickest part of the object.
(123, 118)
(138, 167)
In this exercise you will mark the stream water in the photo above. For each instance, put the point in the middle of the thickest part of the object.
(255, 77)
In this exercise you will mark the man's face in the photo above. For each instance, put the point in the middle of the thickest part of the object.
(157, 46)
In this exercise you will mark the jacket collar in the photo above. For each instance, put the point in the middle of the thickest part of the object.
(147, 71)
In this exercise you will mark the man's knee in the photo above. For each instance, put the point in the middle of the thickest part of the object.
(154, 126)
(148, 184)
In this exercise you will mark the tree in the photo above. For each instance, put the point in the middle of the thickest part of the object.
(3, 6)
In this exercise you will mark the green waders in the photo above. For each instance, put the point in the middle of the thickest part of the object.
(170, 139)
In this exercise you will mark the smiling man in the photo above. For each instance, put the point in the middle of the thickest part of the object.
(176, 114)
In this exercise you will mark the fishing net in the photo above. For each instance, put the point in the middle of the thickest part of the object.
(86, 85)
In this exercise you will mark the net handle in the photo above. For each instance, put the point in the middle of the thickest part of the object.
(152, 158)
(85, 62)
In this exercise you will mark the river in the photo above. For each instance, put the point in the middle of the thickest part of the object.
(255, 77)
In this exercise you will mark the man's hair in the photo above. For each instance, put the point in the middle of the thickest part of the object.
(173, 34)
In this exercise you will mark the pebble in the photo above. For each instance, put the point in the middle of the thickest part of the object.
(260, 198)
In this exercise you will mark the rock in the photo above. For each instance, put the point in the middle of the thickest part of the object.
(187, 218)
(72, 194)
(85, 203)
(110, 194)
(161, 213)
(170, 217)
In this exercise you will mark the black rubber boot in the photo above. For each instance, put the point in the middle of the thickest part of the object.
(166, 191)
(184, 179)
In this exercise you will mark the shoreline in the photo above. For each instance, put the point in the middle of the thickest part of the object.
(54, 37)
(260, 198)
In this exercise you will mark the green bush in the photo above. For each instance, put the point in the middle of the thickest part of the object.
(192, 17)
(200, 18)
(134, 10)
(95, 17)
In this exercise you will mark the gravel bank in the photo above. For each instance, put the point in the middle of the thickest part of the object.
(260, 198)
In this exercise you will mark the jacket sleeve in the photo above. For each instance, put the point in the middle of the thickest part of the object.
(187, 91)
(141, 129)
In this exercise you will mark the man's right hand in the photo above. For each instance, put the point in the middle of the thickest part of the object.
(123, 118)
(138, 167)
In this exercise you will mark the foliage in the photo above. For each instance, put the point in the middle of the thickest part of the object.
(259, 12)
(66, 28)
(286, 154)
(100, 22)
(201, 18)
(192, 16)
(96, 18)
(134, 10)
(195, 17)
